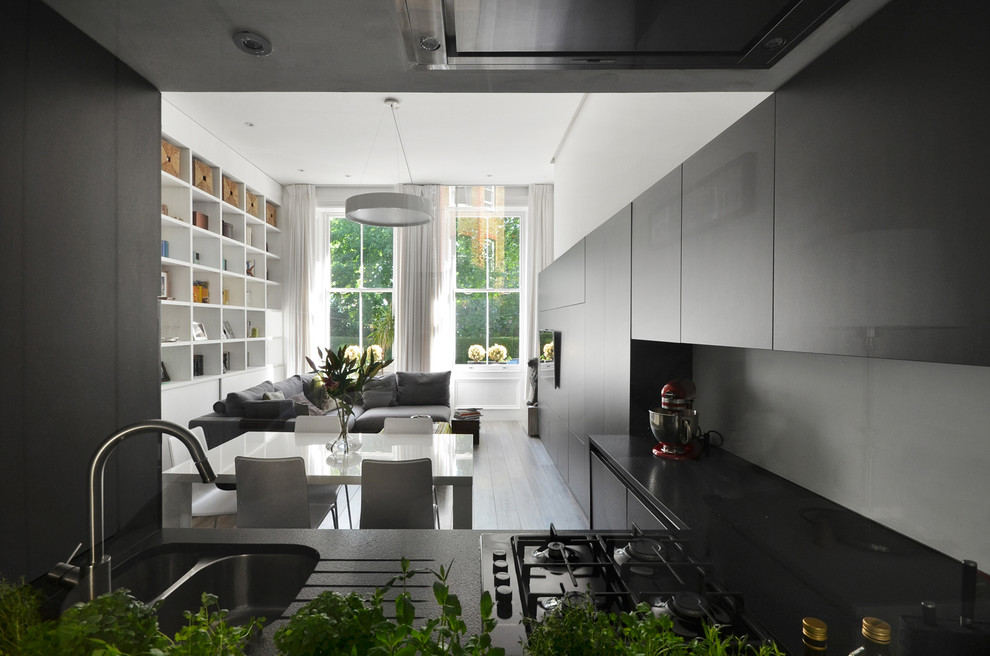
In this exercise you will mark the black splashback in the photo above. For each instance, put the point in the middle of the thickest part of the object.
(653, 364)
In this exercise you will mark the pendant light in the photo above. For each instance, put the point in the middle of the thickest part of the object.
(390, 209)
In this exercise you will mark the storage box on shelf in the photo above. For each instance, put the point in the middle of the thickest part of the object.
(221, 269)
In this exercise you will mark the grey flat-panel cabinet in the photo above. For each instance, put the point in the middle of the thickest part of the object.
(578, 470)
(561, 283)
(608, 498)
(656, 261)
(639, 514)
(727, 236)
(881, 234)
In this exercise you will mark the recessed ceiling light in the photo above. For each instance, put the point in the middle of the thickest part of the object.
(249, 124)
(429, 43)
(774, 43)
(253, 43)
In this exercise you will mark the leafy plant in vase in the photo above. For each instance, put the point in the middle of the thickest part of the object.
(338, 384)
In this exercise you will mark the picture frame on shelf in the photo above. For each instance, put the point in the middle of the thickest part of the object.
(164, 292)
(199, 331)
(228, 330)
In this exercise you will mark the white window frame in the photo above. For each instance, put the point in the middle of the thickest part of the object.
(330, 214)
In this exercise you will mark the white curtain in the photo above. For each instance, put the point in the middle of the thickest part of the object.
(537, 244)
(304, 258)
(421, 276)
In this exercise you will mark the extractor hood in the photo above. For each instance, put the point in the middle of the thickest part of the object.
(607, 34)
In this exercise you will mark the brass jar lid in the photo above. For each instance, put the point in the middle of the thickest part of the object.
(814, 628)
(876, 630)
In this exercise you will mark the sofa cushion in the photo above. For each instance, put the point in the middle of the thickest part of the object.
(432, 388)
(304, 406)
(290, 386)
(269, 409)
(373, 420)
(234, 403)
(380, 392)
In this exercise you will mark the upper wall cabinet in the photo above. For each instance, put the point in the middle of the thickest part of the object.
(656, 261)
(881, 234)
(561, 283)
(727, 245)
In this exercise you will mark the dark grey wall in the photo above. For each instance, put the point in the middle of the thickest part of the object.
(79, 255)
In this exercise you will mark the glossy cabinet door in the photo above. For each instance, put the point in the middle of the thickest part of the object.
(727, 236)
(561, 283)
(639, 514)
(607, 281)
(579, 470)
(882, 192)
(656, 261)
(608, 498)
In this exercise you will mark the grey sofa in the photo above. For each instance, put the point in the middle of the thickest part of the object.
(274, 406)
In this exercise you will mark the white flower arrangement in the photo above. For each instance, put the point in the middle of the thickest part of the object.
(375, 353)
(352, 353)
(476, 353)
(497, 353)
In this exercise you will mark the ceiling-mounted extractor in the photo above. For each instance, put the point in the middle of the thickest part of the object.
(618, 34)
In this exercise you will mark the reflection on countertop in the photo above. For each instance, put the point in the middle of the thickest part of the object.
(791, 552)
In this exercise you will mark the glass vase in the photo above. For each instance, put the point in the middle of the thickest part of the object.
(342, 446)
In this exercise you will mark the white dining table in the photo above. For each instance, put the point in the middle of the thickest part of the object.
(452, 456)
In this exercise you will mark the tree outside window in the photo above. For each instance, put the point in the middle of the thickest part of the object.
(487, 289)
(360, 286)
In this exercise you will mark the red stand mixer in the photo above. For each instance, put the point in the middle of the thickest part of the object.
(675, 422)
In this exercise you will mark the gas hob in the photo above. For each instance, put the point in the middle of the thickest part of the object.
(531, 574)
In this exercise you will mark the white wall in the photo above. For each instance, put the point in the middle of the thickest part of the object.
(185, 130)
(904, 443)
(620, 144)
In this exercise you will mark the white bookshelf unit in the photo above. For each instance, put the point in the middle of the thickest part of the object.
(221, 271)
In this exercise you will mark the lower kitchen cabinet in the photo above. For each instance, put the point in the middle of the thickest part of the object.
(578, 471)
(638, 513)
(608, 498)
(616, 507)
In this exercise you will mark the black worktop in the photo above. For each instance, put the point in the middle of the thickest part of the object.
(791, 552)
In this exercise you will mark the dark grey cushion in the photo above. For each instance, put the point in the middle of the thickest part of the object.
(380, 392)
(234, 403)
(269, 409)
(423, 388)
(373, 420)
(304, 406)
(290, 386)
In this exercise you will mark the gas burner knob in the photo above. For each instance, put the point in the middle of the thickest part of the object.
(500, 566)
(498, 554)
(502, 578)
(503, 602)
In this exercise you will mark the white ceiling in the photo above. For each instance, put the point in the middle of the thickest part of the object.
(316, 103)
(349, 138)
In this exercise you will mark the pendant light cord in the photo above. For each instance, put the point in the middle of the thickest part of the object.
(394, 104)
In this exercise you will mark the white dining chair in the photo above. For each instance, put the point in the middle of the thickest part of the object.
(207, 499)
(324, 493)
(398, 494)
(408, 425)
(273, 493)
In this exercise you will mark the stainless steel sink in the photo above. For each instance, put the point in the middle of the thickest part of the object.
(250, 580)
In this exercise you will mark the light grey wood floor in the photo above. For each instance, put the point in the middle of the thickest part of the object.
(516, 487)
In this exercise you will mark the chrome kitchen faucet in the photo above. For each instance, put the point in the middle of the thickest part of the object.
(96, 575)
